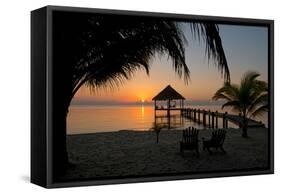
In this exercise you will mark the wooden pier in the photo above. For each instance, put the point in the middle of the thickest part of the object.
(210, 119)
(173, 101)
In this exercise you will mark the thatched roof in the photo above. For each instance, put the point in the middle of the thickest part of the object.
(168, 93)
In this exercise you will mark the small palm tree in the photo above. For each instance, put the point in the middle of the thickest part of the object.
(249, 99)
(157, 129)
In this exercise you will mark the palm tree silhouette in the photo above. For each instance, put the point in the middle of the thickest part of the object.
(250, 98)
(105, 50)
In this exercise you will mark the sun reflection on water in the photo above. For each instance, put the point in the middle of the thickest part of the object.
(142, 111)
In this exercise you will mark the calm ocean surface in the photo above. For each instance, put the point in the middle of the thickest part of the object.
(92, 119)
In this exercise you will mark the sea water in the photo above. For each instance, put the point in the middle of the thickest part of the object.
(108, 118)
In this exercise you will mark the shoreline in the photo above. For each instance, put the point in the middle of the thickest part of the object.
(136, 153)
(146, 130)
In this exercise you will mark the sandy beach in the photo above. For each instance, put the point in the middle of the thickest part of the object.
(132, 153)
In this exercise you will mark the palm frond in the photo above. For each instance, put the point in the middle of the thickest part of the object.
(260, 111)
(213, 45)
(228, 92)
(127, 55)
(129, 41)
(234, 103)
(249, 98)
(260, 101)
(249, 77)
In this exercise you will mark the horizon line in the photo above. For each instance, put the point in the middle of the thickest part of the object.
(110, 103)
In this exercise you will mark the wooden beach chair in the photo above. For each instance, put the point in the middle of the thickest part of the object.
(216, 141)
(189, 140)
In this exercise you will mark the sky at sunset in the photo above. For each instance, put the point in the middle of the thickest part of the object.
(246, 48)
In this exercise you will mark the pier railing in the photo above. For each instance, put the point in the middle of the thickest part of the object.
(210, 118)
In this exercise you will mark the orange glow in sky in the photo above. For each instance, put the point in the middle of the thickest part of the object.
(246, 49)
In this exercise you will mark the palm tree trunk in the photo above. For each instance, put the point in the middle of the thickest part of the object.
(61, 101)
(60, 156)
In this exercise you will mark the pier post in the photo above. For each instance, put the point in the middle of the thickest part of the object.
(209, 114)
(195, 115)
(223, 121)
(226, 120)
(204, 117)
(216, 119)
(155, 107)
(168, 113)
(213, 119)
(199, 116)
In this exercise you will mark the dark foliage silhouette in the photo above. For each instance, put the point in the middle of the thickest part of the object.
(104, 51)
(249, 99)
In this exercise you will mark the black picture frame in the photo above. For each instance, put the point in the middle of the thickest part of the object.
(41, 96)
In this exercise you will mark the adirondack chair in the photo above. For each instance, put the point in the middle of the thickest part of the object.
(216, 141)
(189, 140)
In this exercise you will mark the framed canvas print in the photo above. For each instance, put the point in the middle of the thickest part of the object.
(124, 96)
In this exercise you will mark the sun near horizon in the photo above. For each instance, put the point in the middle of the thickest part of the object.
(204, 79)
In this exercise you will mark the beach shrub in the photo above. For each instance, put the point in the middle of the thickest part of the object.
(157, 129)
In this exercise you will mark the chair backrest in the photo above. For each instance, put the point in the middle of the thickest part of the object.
(218, 136)
(190, 135)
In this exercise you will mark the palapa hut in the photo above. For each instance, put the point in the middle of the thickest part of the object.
(173, 99)
(169, 95)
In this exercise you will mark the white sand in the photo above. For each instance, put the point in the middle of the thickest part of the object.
(129, 153)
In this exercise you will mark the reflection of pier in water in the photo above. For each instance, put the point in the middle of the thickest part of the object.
(173, 121)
